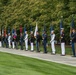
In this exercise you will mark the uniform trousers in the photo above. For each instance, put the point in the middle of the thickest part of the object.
(53, 47)
(63, 48)
(26, 44)
(32, 46)
(13, 45)
(9, 43)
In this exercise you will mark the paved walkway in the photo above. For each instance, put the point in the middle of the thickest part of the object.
(68, 60)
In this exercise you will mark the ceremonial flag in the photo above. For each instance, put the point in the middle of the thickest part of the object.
(61, 26)
(31, 30)
(21, 29)
(5, 32)
(51, 28)
(72, 23)
(36, 29)
(72, 26)
(24, 29)
(13, 31)
(8, 30)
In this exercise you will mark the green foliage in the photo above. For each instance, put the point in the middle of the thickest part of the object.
(14, 13)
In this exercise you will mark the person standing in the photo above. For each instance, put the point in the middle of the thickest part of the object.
(62, 42)
(32, 41)
(45, 42)
(16, 42)
(9, 40)
(37, 41)
(6, 41)
(21, 41)
(53, 42)
(13, 44)
(73, 36)
(26, 40)
(2, 40)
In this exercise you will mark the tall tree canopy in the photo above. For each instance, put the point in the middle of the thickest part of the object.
(14, 13)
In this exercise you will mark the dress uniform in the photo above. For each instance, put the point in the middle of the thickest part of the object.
(16, 42)
(37, 41)
(21, 41)
(9, 40)
(45, 42)
(6, 41)
(32, 41)
(62, 43)
(73, 35)
(26, 40)
(2, 39)
(13, 43)
(53, 42)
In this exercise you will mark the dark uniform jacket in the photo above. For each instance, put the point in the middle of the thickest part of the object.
(62, 37)
(38, 38)
(32, 38)
(73, 35)
(44, 37)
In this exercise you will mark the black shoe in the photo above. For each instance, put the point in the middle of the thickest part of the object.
(62, 55)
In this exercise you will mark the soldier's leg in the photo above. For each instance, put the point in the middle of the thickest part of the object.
(75, 48)
(32, 48)
(53, 48)
(26, 44)
(63, 48)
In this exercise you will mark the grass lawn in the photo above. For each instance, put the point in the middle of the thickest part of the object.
(68, 49)
(19, 65)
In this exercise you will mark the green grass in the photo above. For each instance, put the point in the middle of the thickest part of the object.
(18, 65)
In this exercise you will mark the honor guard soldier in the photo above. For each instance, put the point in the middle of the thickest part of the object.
(62, 42)
(6, 41)
(32, 41)
(16, 41)
(73, 35)
(9, 40)
(37, 41)
(26, 40)
(2, 39)
(53, 42)
(45, 42)
(13, 44)
(21, 41)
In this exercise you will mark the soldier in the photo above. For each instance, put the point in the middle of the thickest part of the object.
(32, 41)
(73, 35)
(16, 42)
(62, 42)
(21, 41)
(2, 39)
(37, 41)
(9, 40)
(45, 41)
(53, 42)
(13, 44)
(26, 40)
(6, 40)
